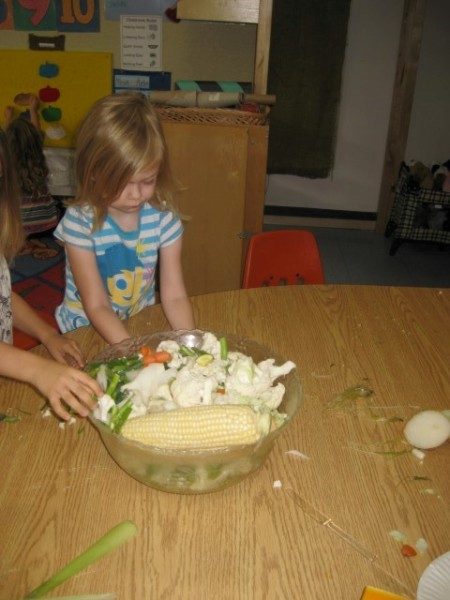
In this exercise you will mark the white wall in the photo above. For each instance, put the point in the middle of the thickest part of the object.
(429, 130)
(366, 95)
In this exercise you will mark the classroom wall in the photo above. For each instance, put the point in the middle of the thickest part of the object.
(366, 95)
(429, 131)
(208, 50)
(368, 77)
(191, 49)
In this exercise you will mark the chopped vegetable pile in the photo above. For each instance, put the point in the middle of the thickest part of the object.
(176, 377)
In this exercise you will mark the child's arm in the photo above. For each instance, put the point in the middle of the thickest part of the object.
(94, 297)
(28, 321)
(175, 302)
(62, 385)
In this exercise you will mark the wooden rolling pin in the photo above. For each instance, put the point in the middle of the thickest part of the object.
(175, 98)
(208, 99)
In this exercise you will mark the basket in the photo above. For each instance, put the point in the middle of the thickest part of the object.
(213, 116)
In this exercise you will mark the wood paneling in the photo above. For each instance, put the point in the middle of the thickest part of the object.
(242, 11)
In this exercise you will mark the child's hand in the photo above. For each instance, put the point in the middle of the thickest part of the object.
(67, 387)
(60, 347)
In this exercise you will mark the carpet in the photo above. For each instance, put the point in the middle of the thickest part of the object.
(37, 275)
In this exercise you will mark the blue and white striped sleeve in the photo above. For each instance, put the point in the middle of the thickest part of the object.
(75, 228)
(171, 228)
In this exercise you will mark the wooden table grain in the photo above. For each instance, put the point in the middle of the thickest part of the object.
(325, 533)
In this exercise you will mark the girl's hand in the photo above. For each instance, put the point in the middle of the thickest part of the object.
(67, 387)
(61, 348)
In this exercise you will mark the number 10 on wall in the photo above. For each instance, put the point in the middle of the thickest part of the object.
(56, 15)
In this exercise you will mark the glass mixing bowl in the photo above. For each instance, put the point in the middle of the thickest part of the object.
(195, 471)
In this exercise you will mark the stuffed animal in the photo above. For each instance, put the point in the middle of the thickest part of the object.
(439, 174)
(420, 176)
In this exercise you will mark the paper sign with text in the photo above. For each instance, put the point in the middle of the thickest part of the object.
(141, 41)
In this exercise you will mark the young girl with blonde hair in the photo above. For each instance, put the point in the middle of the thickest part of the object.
(64, 386)
(121, 222)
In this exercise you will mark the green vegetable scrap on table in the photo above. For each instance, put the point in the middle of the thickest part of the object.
(361, 397)
(114, 538)
(347, 400)
(9, 418)
(389, 448)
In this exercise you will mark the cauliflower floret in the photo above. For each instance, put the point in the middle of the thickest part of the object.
(245, 378)
(162, 400)
(104, 404)
(248, 379)
(215, 369)
(142, 388)
(272, 397)
(191, 387)
(211, 344)
(273, 371)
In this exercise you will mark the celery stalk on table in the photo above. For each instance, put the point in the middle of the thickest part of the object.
(109, 542)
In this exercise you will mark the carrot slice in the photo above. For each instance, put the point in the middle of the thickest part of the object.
(145, 350)
(148, 359)
(408, 550)
(162, 356)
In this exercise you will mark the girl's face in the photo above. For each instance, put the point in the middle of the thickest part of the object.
(137, 191)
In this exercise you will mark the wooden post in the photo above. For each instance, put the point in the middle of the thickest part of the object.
(402, 100)
(262, 47)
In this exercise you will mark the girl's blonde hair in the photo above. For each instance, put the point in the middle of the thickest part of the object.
(120, 136)
(11, 232)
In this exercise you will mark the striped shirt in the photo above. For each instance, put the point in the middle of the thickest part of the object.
(126, 260)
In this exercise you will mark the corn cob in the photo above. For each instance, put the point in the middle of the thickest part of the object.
(210, 426)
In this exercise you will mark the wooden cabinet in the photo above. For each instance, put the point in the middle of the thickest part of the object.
(221, 171)
(221, 168)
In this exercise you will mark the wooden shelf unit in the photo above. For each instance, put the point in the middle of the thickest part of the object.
(258, 12)
(221, 171)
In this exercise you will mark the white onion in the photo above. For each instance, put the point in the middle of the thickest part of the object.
(427, 429)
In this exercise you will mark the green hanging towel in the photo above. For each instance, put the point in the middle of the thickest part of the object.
(305, 68)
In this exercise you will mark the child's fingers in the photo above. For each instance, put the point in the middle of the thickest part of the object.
(74, 403)
(58, 407)
(74, 352)
(92, 386)
(77, 392)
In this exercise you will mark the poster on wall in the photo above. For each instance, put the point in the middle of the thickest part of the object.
(50, 15)
(66, 83)
(141, 40)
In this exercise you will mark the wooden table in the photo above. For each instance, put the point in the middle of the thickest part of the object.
(324, 534)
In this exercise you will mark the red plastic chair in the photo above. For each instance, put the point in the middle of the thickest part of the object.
(282, 257)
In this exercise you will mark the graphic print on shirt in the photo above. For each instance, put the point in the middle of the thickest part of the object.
(125, 277)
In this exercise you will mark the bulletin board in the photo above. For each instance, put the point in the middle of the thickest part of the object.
(67, 83)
